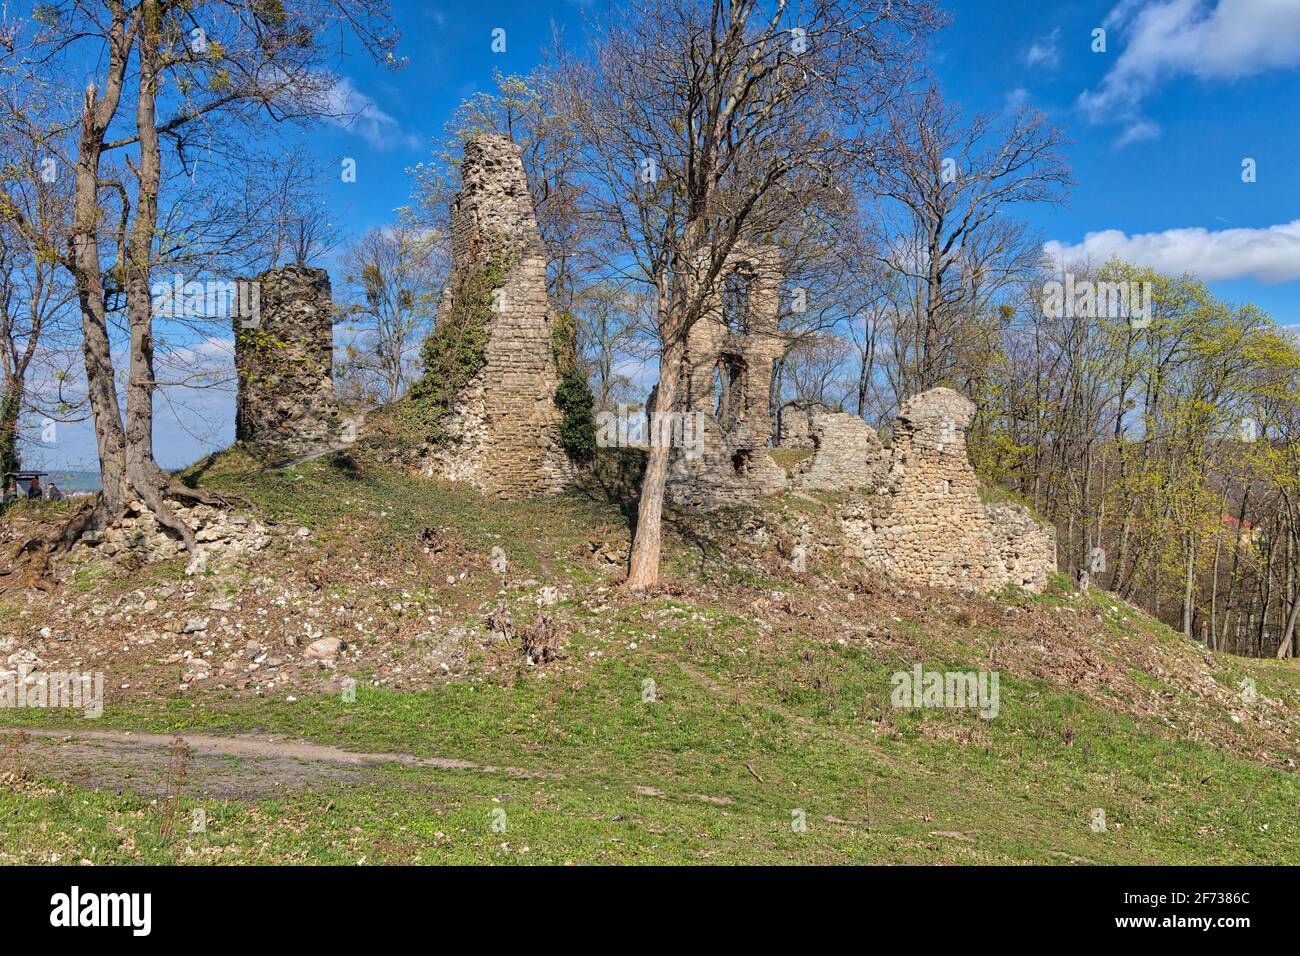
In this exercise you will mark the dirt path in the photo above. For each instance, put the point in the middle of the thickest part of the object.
(237, 768)
(232, 768)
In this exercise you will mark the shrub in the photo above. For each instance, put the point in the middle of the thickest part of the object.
(573, 396)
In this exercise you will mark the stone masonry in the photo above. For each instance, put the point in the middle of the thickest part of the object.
(796, 422)
(926, 522)
(504, 423)
(284, 358)
(727, 380)
(846, 453)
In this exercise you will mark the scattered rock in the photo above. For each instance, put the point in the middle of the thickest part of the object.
(325, 649)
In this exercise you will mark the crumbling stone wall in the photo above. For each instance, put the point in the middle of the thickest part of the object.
(846, 453)
(926, 522)
(284, 357)
(727, 378)
(796, 422)
(504, 425)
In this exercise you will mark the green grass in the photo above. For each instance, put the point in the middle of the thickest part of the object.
(760, 727)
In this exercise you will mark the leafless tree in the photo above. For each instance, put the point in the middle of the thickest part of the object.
(395, 276)
(168, 72)
(34, 292)
(946, 184)
(295, 223)
(705, 125)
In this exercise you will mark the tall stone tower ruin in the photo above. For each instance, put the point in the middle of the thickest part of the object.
(730, 353)
(504, 423)
(284, 356)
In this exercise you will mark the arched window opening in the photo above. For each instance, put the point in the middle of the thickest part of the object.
(735, 303)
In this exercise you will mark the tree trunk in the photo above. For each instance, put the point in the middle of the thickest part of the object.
(10, 406)
(83, 238)
(643, 571)
(143, 475)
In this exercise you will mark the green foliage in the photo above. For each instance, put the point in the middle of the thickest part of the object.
(573, 396)
(456, 350)
(739, 713)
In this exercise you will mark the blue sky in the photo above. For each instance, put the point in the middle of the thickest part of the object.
(1161, 123)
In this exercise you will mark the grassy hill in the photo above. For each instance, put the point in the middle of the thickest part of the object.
(770, 736)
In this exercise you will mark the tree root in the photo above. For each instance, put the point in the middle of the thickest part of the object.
(175, 489)
(31, 559)
(152, 496)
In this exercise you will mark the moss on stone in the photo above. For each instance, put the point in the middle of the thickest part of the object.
(456, 350)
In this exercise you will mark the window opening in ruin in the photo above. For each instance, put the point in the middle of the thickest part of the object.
(740, 462)
(735, 303)
(728, 390)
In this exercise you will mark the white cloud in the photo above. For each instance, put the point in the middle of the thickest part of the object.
(1016, 98)
(1137, 131)
(358, 113)
(1045, 51)
(1270, 255)
(1205, 39)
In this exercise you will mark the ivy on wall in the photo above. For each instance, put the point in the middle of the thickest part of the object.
(573, 395)
(456, 350)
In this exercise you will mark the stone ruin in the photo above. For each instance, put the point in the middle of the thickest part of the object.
(728, 364)
(504, 424)
(847, 454)
(914, 510)
(926, 521)
(284, 358)
(795, 417)
(727, 379)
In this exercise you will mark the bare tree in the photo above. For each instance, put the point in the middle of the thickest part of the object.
(168, 70)
(34, 293)
(395, 275)
(947, 183)
(611, 329)
(706, 125)
(294, 221)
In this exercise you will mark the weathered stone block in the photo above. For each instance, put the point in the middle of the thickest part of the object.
(284, 356)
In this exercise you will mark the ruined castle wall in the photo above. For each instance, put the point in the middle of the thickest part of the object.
(846, 453)
(727, 379)
(505, 422)
(796, 422)
(285, 406)
(927, 524)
